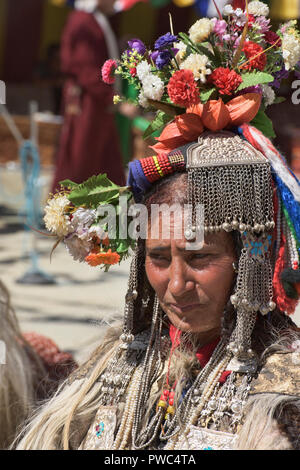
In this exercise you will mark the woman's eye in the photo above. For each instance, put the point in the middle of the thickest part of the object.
(157, 257)
(200, 256)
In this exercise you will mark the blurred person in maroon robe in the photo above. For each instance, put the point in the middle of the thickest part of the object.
(89, 141)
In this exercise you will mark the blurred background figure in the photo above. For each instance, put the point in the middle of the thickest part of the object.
(89, 142)
(48, 74)
(31, 368)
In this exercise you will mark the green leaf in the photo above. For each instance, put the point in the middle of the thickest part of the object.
(264, 124)
(279, 99)
(209, 54)
(219, 57)
(206, 94)
(96, 190)
(168, 108)
(160, 121)
(123, 246)
(185, 38)
(254, 78)
(68, 184)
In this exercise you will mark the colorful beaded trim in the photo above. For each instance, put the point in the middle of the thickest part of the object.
(157, 167)
(99, 429)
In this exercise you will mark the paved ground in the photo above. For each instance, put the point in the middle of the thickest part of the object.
(76, 309)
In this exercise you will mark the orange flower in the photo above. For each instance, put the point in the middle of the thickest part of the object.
(94, 259)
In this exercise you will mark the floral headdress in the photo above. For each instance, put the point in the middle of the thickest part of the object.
(223, 73)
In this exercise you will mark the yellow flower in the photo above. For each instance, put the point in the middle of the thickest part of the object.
(117, 99)
(201, 30)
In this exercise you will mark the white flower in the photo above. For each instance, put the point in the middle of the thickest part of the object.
(228, 10)
(291, 50)
(83, 217)
(56, 220)
(96, 231)
(197, 63)
(153, 87)
(181, 51)
(143, 100)
(81, 222)
(240, 17)
(201, 30)
(77, 247)
(268, 94)
(143, 69)
(258, 9)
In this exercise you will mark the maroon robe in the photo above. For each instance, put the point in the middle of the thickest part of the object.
(89, 141)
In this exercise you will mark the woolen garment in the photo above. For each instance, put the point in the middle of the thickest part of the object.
(89, 142)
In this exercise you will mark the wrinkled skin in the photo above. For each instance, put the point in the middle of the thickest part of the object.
(193, 287)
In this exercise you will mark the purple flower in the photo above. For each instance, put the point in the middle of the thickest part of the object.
(161, 58)
(165, 41)
(251, 89)
(279, 76)
(138, 45)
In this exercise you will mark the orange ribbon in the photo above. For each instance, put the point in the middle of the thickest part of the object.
(215, 115)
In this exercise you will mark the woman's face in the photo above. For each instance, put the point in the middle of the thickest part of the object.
(193, 287)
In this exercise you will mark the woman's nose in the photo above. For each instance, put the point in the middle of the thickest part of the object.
(179, 281)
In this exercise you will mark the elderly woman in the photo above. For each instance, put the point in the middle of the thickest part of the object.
(207, 357)
(205, 360)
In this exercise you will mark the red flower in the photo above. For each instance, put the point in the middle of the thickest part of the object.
(251, 20)
(108, 71)
(182, 88)
(133, 72)
(273, 38)
(256, 56)
(226, 80)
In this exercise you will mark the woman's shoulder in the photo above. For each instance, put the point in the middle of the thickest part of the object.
(280, 373)
(108, 347)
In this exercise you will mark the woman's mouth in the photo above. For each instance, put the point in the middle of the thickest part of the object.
(180, 309)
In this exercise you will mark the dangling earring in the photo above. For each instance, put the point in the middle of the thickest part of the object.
(235, 267)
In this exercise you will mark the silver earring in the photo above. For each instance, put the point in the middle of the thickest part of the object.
(235, 267)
